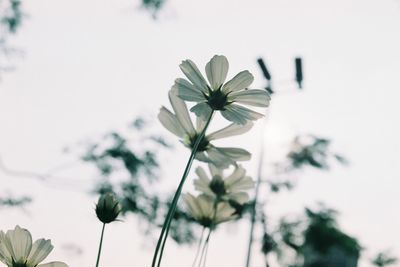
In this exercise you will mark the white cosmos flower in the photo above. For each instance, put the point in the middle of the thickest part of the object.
(218, 95)
(228, 188)
(206, 213)
(180, 124)
(17, 250)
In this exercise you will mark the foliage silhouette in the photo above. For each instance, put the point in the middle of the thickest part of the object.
(114, 155)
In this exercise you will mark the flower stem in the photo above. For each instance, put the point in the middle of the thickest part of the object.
(253, 207)
(198, 247)
(158, 253)
(100, 245)
(204, 251)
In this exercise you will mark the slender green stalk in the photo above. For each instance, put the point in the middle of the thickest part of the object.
(205, 250)
(198, 247)
(158, 253)
(100, 245)
(254, 204)
(207, 241)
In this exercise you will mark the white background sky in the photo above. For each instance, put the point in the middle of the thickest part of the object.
(91, 66)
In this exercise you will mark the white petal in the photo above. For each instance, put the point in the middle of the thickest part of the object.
(236, 154)
(170, 122)
(40, 249)
(191, 205)
(216, 71)
(214, 170)
(254, 97)
(20, 241)
(202, 157)
(206, 204)
(202, 110)
(187, 91)
(231, 130)
(239, 182)
(218, 158)
(202, 174)
(202, 184)
(242, 80)
(200, 123)
(239, 114)
(194, 75)
(5, 255)
(53, 264)
(236, 175)
(224, 213)
(181, 112)
(240, 197)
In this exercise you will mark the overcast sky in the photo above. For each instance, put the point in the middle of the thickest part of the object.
(92, 66)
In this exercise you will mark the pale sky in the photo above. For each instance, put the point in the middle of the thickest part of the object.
(92, 66)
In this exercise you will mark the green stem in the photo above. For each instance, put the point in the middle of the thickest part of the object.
(158, 253)
(253, 209)
(198, 247)
(212, 227)
(204, 250)
(101, 244)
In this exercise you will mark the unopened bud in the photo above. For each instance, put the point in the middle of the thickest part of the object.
(108, 208)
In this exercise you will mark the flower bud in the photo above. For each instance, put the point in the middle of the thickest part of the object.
(107, 208)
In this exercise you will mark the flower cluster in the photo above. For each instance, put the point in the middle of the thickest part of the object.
(219, 194)
(212, 206)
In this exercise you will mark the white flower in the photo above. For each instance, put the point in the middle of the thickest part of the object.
(17, 250)
(220, 96)
(202, 209)
(230, 188)
(180, 124)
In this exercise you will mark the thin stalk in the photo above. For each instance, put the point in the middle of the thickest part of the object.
(198, 247)
(204, 250)
(254, 205)
(206, 247)
(158, 253)
(207, 241)
(100, 245)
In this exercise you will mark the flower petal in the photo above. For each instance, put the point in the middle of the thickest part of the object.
(214, 170)
(187, 91)
(181, 112)
(19, 243)
(202, 157)
(202, 184)
(200, 123)
(53, 264)
(201, 173)
(224, 213)
(254, 97)
(218, 158)
(216, 71)
(5, 255)
(237, 181)
(240, 197)
(240, 115)
(242, 80)
(202, 110)
(192, 205)
(40, 249)
(236, 175)
(231, 130)
(236, 154)
(170, 122)
(194, 75)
